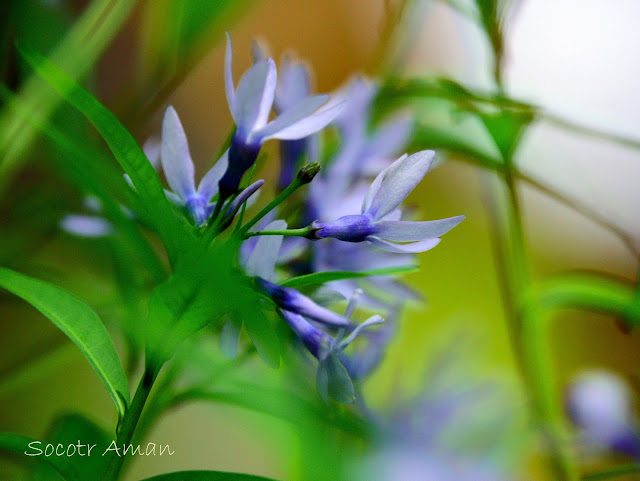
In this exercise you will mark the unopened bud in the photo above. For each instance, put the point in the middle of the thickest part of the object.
(308, 172)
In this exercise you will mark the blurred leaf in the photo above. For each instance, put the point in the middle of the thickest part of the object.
(322, 277)
(207, 476)
(76, 53)
(262, 334)
(80, 324)
(612, 473)
(588, 291)
(19, 445)
(333, 380)
(432, 138)
(506, 128)
(173, 228)
(285, 405)
(74, 429)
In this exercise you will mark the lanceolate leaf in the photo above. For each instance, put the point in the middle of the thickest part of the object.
(207, 476)
(172, 228)
(322, 277)
(80, 323)
(19, 445)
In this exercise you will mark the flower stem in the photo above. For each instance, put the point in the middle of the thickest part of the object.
(302, 232)
(130, 422)
(305, 175)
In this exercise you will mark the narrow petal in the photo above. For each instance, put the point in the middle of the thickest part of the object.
(294, 85)
(399, 182)
(372, 321)
(176, 160)
(254, 96)
(377, 182)
(229, 87)
(208, 186)
(262, 260)
(86, 226)
(243, 197)
(288, 118)
(305, 126)
(412, 247)
(415, 231)
(151, 149)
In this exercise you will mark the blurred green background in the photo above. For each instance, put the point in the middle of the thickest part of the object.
(576, 59)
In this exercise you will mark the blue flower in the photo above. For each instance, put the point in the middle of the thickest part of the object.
(179, 171)
(599, 402)
(364, 152)
(250, 105)
(333, 378)
(378, 221)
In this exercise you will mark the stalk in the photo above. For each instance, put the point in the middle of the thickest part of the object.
(130, 422)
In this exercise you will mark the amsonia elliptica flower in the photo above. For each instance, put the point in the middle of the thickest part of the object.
(378, 221)
(179, 171)
(250, 105)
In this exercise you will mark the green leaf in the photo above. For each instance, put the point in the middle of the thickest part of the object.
(74, 429)
(588, 291)
(322, 277)
(262, 334)
(506, 128)
(333, 380)
(80, 323)
(207, 476)
(173, 228)
(19, 445)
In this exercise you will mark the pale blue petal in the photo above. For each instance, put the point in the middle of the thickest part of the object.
(176, 160)
(294, 85)
(412, 247)
(399, 182)
(229, 87)
(377, 182)
(151, 149)
(254, 96)
(175, 198)
(414, 231)
(288, 118)
(372, 321)
(262, 260)
(391, 137)
(86, 226)
(208, 186)
(305, 126)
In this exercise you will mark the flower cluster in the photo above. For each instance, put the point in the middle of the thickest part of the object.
(352, 220)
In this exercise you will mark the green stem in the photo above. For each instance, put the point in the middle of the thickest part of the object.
(302, 232)
(301, 179)
(130, 422)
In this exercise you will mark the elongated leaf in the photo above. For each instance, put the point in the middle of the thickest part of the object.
(21, 445)
(80, 323)
(72, 430)
(588, 291)
(207, 476)
(173, 229)
(321, 277)
(262, 335)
